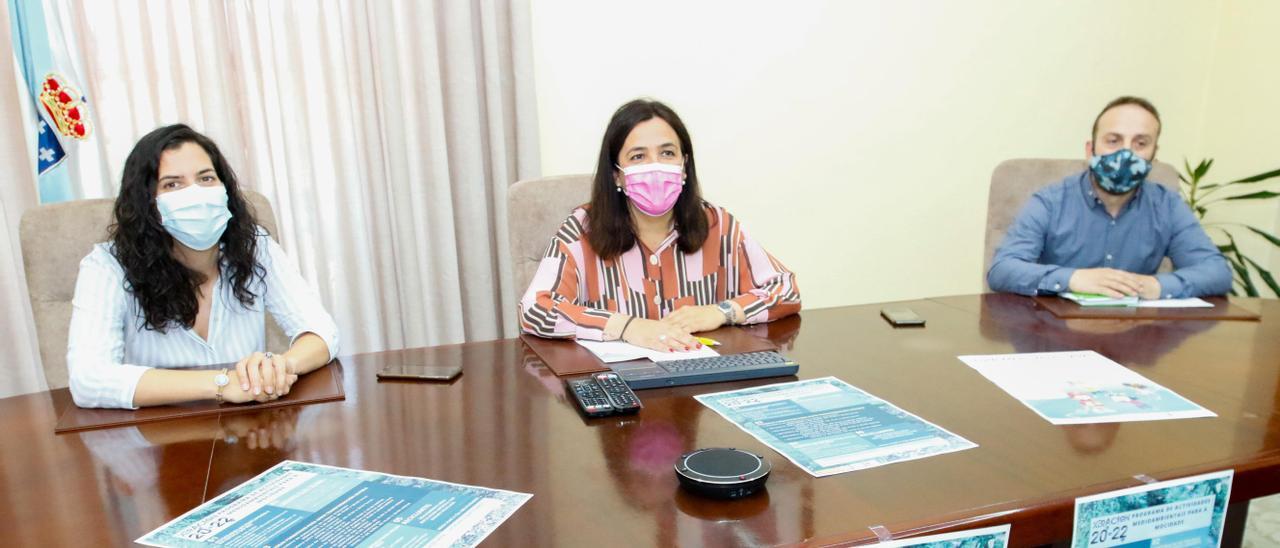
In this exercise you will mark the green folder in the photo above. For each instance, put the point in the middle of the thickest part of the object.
(1094, 299)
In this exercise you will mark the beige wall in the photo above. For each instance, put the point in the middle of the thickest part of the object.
(856, 139)
(1241, 117)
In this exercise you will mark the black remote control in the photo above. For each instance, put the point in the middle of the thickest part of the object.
(620, 395)
(603, 394)
(591, 398)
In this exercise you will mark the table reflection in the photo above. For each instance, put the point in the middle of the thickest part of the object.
(1019, 321)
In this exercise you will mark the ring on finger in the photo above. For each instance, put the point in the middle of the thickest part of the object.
(662, 337)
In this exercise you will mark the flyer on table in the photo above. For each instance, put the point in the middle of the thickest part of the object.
(987, 537)
(827, 426)
(1182, 512)
(1082, 387)
(301, 504)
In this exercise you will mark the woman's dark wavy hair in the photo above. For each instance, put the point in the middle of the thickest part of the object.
(166, 290)
(610, 230)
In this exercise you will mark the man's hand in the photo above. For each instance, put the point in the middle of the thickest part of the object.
(1148, 287)
(1109, 281)
(693, 319)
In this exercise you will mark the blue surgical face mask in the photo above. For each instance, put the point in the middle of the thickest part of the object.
(1120, 171)
(196, 216)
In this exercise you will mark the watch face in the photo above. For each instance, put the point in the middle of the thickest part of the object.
(221, 379)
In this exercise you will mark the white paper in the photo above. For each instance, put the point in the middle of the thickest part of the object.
(1193, 302)
(1082, 387)
(1100, 300)
(621, 351)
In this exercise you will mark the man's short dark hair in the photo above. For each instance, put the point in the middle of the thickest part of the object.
(1128, 100)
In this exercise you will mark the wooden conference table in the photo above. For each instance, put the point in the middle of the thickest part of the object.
(506, 423)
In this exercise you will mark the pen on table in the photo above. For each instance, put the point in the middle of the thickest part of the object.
(708, 341)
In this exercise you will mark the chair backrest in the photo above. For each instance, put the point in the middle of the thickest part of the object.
(54, 239)
(535, 209)
(1014, 181)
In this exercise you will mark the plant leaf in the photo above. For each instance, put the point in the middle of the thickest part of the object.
(1266, 277)
(1249, 289)
(1270, 238)
(1241, 268)
(1261, 195)
(1203, 168)
(1257, 178)
(1235, 263)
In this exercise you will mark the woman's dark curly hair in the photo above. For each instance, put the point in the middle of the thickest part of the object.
(166, 289)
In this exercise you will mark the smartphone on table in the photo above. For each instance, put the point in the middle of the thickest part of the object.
(420, 372)
(901, 316)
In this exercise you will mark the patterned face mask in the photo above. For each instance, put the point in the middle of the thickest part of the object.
(1120, 171)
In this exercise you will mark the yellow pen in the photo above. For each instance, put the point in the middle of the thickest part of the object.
(708, 342)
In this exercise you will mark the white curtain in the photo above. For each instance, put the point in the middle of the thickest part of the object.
(384, 132)
(20, 372)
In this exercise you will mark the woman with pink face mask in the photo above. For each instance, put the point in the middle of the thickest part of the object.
(648, 261)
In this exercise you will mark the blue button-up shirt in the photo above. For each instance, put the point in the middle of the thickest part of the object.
(1065, 226)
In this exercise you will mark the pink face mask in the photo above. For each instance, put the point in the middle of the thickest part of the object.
(653, 187)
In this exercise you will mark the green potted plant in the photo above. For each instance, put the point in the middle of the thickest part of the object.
(1202, 196)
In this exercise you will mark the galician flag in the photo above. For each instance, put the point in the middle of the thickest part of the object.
(62, 117)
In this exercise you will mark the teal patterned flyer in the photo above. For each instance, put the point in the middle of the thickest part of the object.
(301, 504)
(1187, 512)
(1082, 387)
(827, 426)
(987, 537)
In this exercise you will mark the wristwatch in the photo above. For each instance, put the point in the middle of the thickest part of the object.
(727, 309)
(221, 380)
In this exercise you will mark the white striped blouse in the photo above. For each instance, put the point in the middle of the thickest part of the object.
(109, 346)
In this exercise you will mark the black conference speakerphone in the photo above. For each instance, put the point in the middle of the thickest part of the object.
(722, 472)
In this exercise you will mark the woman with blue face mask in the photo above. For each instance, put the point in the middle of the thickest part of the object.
(184, 280)
(648, 261)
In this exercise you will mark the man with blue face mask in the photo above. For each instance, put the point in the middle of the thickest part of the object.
(1106, 229)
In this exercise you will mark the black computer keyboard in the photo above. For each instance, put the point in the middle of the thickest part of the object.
(730, 367)
(728, 361)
